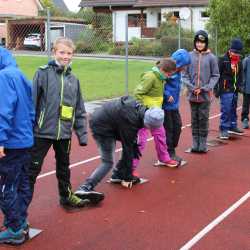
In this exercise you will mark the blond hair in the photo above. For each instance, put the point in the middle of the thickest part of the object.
(65, 41)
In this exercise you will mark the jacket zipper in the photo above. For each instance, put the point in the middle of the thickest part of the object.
(61, 101)
(198, 75)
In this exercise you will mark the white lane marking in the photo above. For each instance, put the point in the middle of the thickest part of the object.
(215, 222)
(117, 150)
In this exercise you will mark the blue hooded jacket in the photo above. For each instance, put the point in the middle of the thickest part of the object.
(16, 106)
(173, 84)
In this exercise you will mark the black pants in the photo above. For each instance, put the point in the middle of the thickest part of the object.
(172, 125)
(199, 118)
(245, 107)
(38, 153)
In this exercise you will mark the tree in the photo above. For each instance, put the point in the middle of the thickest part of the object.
(54, 11)
(230, 19)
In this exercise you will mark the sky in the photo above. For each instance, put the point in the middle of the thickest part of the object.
(72, 4)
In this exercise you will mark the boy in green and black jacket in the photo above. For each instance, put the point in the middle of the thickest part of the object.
(59, 109)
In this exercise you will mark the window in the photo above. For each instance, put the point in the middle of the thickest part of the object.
(134, 20)
(204, 14)
(176, 14)
(159, 19)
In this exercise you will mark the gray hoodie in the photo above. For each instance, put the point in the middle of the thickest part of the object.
(203, 73)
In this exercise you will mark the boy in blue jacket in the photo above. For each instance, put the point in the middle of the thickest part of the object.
(16, 137)
(172, 89)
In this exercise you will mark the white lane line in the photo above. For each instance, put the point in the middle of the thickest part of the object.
(215, 222)
(118, 150)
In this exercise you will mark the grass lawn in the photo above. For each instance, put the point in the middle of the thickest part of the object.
(99, 78)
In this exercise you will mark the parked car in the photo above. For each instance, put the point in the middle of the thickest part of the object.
(32, 41)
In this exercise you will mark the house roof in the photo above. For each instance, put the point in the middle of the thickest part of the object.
(143, 3)
(106, 3)
(38, 2)
(60, 4)
(171, 3)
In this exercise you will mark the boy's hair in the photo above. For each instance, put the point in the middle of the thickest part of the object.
(65, 41)
(167, 64)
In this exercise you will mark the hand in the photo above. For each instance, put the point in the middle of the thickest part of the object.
(2, 154)
(197, 91)
(171, 99)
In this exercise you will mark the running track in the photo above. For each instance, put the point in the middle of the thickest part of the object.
(203, 206)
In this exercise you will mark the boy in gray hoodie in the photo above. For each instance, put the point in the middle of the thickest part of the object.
(200, 77)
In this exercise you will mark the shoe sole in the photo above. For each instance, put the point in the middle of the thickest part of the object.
(235, 133)
(13, 242)
(115, 180)
(158, 163)
(94, 198)
(69, 208)
(224, 138)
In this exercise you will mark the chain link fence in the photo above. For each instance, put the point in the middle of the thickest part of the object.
(116, 36)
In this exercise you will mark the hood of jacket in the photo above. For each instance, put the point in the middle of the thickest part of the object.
(181, 57)
(6, 59)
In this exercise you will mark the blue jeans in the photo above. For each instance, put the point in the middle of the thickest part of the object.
(15, 192)
(106, 146)
(228, 119)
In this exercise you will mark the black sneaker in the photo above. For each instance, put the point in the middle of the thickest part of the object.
(86, 192)
(235, 131)
(116, 178)
(73, 202)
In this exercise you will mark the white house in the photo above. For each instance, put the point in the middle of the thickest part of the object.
(145, 16)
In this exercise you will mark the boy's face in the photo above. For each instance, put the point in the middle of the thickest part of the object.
(63, 54)
(200, 45)
(167, 74)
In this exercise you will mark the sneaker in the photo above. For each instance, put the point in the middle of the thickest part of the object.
(115, 177)
(224, 135)
(235, 131)
(8, 236)
(73, 202)
(26, 228)
(170, 163)
(177, 158)
(86, 192)
(245, 124)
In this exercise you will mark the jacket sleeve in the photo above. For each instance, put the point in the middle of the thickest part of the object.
(143, 87)
(215, 75)
(186, 78)
(7, 105)
(244, 76)
(36, 88)
(240, 78)
(80, 123)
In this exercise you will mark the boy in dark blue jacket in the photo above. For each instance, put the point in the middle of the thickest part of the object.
(172, 120)
(16, 137)
(228, 87)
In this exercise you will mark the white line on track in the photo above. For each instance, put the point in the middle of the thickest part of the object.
(215, 222)
(117, 150)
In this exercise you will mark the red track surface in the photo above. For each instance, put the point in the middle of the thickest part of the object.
(163, 214)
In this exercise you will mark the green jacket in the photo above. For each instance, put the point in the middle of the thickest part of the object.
(149, 91)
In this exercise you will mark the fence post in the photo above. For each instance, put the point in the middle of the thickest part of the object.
(126, 55)
(179, 33)
(48, 34)
(216, 41)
